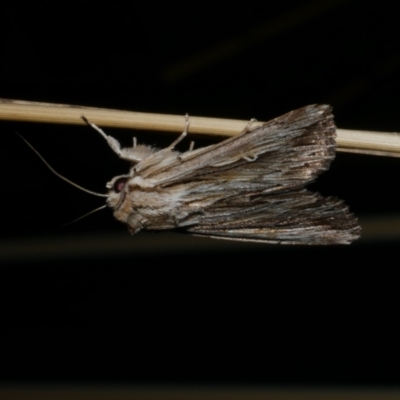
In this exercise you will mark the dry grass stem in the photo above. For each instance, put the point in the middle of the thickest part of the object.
(366, 142)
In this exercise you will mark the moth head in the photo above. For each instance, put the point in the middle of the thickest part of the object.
(116, 190)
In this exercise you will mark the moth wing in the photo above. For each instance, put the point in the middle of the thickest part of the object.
(251, 187)
(292, 217)
(288, 151)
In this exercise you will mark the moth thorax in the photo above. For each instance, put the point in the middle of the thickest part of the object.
(137, 153)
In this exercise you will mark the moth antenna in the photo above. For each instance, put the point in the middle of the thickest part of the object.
(84, 215)
(56, 173)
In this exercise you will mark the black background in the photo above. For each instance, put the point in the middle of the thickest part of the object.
(177, 309)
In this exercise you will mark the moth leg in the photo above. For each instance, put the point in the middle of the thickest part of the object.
(250, 159)
(113, 143)
(136, 223)
(249, 124)
(247, 129)
(191, 146)
(183, 135)
(125, 154)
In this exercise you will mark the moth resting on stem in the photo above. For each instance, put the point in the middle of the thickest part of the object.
(249, 187)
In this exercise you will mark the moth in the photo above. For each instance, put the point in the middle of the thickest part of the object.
(250, 187)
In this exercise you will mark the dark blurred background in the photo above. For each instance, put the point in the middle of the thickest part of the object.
(166, 307)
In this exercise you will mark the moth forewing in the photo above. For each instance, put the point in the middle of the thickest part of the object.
(248, 187)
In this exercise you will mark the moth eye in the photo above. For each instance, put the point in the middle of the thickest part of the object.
(119, 184)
